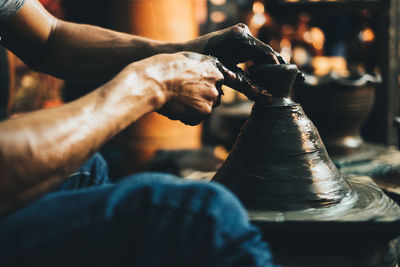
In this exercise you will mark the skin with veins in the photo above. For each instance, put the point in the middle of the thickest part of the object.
(40, 149)
(138, 76)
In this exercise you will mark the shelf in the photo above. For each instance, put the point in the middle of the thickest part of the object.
(381, 126)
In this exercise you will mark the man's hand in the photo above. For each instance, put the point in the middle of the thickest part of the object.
(235, 45)
(232, 46)
(190, 82)
(88, 54)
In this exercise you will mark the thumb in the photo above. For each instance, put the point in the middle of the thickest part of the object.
(239, 81)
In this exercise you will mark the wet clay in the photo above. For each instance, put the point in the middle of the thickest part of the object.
(310, 214)
(281, 171)
(237, 45)
(338, 106)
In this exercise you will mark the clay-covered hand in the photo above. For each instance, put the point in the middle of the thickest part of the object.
(232, 46)
(191, 83)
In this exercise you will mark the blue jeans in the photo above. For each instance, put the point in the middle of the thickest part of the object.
(150, 219)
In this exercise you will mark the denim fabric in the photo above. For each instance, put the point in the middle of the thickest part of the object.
(93, 172)
(151, 219)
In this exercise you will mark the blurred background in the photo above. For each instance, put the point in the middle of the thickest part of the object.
(348, 49)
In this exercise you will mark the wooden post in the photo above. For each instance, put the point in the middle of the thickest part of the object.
(164, 20)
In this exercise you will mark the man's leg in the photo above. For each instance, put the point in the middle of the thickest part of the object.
(144, 220)
(93, 172)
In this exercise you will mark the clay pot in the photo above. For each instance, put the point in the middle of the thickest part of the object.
(310, 214)
(338, 107)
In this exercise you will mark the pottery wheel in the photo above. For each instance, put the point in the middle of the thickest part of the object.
(365, 202)
(281, 171)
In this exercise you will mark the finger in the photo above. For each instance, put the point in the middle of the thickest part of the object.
(185, 114)
(237, 44)
(194, 116)
(264, 54)
(239, 81)
(244, 28)
(261, 51)
(191, 121)
(280, 58)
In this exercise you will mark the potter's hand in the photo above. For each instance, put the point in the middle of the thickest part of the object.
(191, 85)
(232, 46)
(235, 45)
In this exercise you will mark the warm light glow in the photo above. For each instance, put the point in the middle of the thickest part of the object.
(285, 43)
(322, 66)
(367, 35)
(352, 142)
(229, 94)
(307, 37)
(318, 38)
(28, 81)
(200, 9)
(218, 2)
(300, 56)
(220, 153)
(339, 66)
(218, 16)
(325, 65)
(258, 20)
(286, 49)
(287, 29)
(258, 7)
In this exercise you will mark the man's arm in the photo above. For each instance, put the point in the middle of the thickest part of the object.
(40, 149)
(90, 54)
(71, 51)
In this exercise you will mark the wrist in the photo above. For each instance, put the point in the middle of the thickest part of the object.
(134, 87)
(194, 45)
(170, 48)
(154, 89)
(150, 77)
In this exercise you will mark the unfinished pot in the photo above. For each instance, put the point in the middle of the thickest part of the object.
(338, 106)
(309, 213)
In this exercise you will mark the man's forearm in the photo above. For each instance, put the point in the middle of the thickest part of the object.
(40, 149)
(81, 53)
(86, 53)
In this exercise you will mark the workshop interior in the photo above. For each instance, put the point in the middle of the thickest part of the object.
(320, 162)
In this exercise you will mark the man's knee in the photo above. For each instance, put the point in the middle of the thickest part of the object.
(92, 172)
(208, 198)
(223, 204)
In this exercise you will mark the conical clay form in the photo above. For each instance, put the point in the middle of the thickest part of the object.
(280, 169)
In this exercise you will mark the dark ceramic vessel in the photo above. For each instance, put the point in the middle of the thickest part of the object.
(310, 214)
(338, 107)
